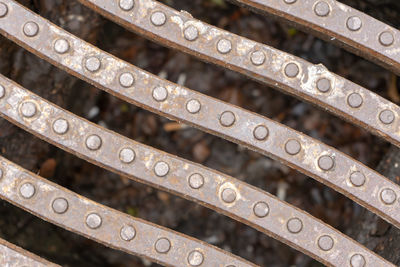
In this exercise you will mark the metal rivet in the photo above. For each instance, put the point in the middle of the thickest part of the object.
(386, 116)
(325, 242)
(61, 46)
(354, 23)
(227, 118)
(127, 233)
(160, 93)
(92, 64)
(224, 46)
(31, 29)
(93, 142)
(386, 38)
(60, 126)
(191, 33)
(292, 147)
(126, 79)
(228, 195)
(27, 190)
(294, 225)
(261, 209)
(196, 181)
(322, 9)
(3, 10)
(93, 221)
(257, 58)
(326, 163)
(357, 179)
(28, 109)
(324, 85)
(158, 18)
(290, 1)
(161, 169)
(60, 205)
(126, 5)
(261, 132)
(292, 70)
(127, 155)
(195, 258)
(357, 260)
(1, 173)
(2, 91)
(355, 100)
(388, 196)
(193, 106)
(162, 245)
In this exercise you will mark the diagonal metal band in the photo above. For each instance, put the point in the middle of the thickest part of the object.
(11, 255)
(208, 187)
(313, 83)
(256, 132)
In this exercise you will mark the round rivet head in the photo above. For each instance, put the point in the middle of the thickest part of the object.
(388, 196)
(357, 179)
(31, 29)
(126, 79)
(93, 142)
(257, 58)
(261, 209)
(294, 225)
(61, 46)
(126, 5)
(196, 181)
(93, 221)
(195, 258)
(323, 85)
(60, 126)
(27, 190)
(292, 70)
(227, 119)
(224, 46)
(191, 33)
(158, 18)
(163, 245)
(127, 233)
(60, 205)
(28, 109)
(355, 100)
(161, 169)
(354, 23)
(228, 195)
(386, 116)
(322, 9)
(326, 163)
(386, 38)
(1, 173)
(92, 64)
(2, 91)
(193, 106)
(292, 147)
(357, 260)
(325, 242)
(3, 10)
(160, 93)
(127, 155)
(261, 132)
(289, 1)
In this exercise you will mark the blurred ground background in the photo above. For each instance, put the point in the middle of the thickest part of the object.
(69, 249)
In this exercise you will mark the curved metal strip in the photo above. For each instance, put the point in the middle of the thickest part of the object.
(313, 83)
(13, 256)
(256, 132)
(110, 227)
(212, 189)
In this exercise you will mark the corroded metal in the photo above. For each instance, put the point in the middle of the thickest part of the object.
(13, 256)
(110, 227)
(293, 75)
(210, 188)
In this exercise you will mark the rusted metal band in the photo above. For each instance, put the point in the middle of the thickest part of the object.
(110, 227)
(210, 188)
(313, 83)
(339, 23)
(13, 256)
(256, 132)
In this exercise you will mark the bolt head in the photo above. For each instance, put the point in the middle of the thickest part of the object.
(193, 106)
(160, 94)
(195, 258)
(61, 126)
(126, 79)
(292, 70)
(127, 155)
(163, 245)
(2, 91)
(161, 169)
(261, 209)
(325, 243)
(158, 18)
(196, 181)
(27, 190)
(61, 46)
(92, 64)
(228, 195)
(3, 10)
(31, 29)
(28, 109)
(126, 5)
(322, 9)
(128, 233)
(224, 46)
(93, 142)
(294, 225)
(191, 33)
(227, 119)
(60, 205)
(354, 23)
(93, 221)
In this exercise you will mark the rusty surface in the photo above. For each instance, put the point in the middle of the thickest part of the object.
(13, 256)
(266, 64)
(212, 189)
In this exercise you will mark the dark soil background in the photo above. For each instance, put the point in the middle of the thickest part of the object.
(69, 249)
